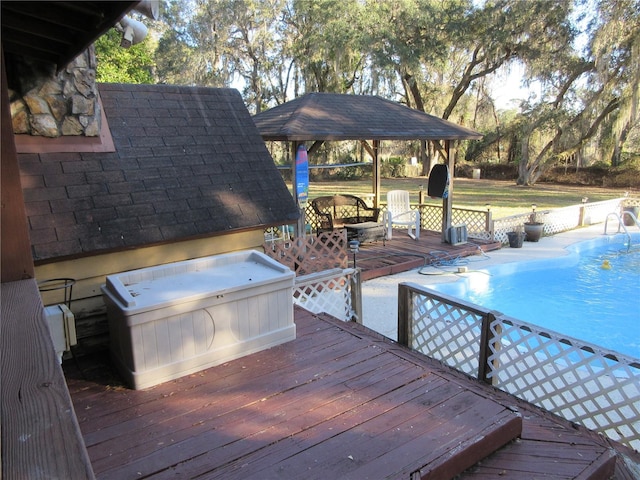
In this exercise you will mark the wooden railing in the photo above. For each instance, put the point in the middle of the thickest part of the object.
(40, 433)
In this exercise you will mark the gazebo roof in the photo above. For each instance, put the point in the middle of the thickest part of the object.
(332, 116)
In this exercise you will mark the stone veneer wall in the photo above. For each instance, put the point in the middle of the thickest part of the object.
(59, 104)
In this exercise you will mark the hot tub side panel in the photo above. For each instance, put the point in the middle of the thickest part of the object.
(158, 345)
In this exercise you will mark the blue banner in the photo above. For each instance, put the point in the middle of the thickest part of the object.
(302, 175)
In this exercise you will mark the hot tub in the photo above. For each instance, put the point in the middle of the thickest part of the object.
(172, 320)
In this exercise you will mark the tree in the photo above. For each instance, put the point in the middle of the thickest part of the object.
(324, 44)
(115, 64)
(616, 49)
(431, 55)
(585, 92)
(442, 51)
(193, 47)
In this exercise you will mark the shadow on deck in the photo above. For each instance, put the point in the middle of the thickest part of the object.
(340, 401)
(401, 253)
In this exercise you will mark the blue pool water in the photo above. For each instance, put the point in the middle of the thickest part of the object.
(572, 294)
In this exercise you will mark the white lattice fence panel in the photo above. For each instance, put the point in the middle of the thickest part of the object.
(631, 202)
(475, 220)
(561, 219)
(312, 253)
(446, 332)
(431, 218)
(597, 212)
(576, 380)
(327, 292)
(558, 220)
(501, 226)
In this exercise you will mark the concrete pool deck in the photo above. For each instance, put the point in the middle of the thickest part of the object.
(380, 295)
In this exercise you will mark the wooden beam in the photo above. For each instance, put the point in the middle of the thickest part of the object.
(316, 145)
(16, 258)
(442, 150)
(367, 147)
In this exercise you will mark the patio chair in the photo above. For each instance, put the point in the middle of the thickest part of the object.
(399, 213)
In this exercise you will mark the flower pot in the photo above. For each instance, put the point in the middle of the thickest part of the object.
(515, 239)
(626, 219)
(533, 231)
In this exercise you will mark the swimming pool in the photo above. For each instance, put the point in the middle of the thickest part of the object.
(572, 294)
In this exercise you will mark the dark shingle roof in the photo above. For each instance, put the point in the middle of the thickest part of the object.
(189, 162)
(332, 116)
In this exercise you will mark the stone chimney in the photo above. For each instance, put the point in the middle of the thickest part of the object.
(53, 105)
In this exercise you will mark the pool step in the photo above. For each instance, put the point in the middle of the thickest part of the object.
(524, 459)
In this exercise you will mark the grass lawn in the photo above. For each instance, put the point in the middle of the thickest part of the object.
(504, 197)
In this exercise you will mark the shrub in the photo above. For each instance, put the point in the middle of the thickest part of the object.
(393, 167)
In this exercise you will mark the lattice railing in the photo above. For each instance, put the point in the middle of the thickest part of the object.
(311, 253)
(558, 220)
(311, 218)
(597, 212)
(430, 217)
(477, 221)
(331, 291)
(561, 219)
(480, 224)
(323, 281)
(446, 331)
(579, 381)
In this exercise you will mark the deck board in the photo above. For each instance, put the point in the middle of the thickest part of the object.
(402, 253)
(339, 400)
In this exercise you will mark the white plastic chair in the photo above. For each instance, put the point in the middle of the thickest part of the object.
(399, 213)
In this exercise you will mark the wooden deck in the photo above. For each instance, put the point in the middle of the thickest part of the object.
(401, 253)
(340, 401)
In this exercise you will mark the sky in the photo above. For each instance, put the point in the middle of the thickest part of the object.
(507, 90)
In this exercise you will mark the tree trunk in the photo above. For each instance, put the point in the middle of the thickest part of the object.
(523, 164)
(424, 158)
(415, 91)
(616, 156)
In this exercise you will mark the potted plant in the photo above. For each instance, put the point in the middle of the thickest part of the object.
(516, 237)
(534, 227)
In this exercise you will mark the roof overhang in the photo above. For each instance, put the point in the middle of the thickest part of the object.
(56, 32)
(334, 117)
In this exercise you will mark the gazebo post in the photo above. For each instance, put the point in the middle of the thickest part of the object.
(376, 174)
(447, 203)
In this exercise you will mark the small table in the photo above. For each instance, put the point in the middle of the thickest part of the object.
(365, 232)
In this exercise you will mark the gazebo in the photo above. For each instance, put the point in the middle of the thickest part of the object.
(321, 117)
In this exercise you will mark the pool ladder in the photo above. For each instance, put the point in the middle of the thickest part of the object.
(622, 225)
